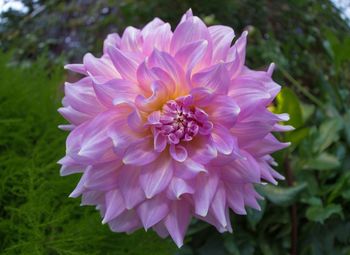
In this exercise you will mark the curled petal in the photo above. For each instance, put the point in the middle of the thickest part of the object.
(179, 187)
(156, 100)
(160, 142)
(178, 152)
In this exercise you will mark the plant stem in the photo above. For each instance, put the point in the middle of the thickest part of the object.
(293, 209)
(303, 90)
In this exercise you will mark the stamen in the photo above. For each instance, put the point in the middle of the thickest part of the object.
(181, 121)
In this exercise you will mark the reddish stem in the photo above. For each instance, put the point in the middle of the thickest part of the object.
(293, 209)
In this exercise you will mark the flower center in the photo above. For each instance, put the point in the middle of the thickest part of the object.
(181, 121)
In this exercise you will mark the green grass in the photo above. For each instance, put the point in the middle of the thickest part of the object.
(36, 215)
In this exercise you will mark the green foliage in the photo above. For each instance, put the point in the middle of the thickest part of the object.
(310, 45)
(37, 217)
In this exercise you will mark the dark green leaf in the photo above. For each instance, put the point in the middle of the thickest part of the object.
(327, 134)
(320, 214)
(279, 195)
(324, 161)
(254, 216)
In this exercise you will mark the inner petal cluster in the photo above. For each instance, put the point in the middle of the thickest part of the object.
(181, 121)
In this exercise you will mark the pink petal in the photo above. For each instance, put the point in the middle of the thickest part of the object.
(101, 69)
(114, 205)
(116, 88)
(152, 211)
(177, 221)
(145, 77)
(215, 79)
(149, 28)
(73, 116)
(161, 229)
(189, 168)
(131, 40)
(224, 142)
(236, 55)
(189, 31)
(126, 222)
(156, 176)
(235, 199)
(81, 96)
(158, 38)
(222, 37)
(70, 166)
(130, 186)
(191, 54)
(202, 96)
(168, 64)
(111, 40)
(202, 150)
(78, 68)
(103, 177)
(265, 146)
(218, 205)
(125, 63)
(224, 110)
(140, 153)
(206, 185)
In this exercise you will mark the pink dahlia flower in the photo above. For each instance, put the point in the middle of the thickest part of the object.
(167, 126)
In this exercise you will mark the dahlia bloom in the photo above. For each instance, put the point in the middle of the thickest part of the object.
(167, 126)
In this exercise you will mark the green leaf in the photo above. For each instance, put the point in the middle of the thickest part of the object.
(254, 216)
(288, 102)
(307, 110)
(296, 136)
(327, 134)
(320, 214)
(279, 195)
(346, 194)
(312, 201)
(347, 126)
(324, 161)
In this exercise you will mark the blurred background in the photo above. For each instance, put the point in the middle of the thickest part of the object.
(309, 40)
